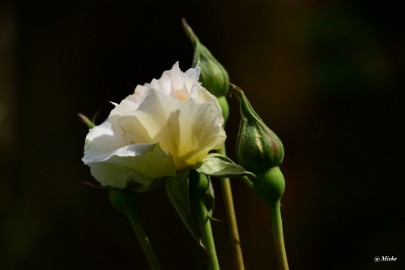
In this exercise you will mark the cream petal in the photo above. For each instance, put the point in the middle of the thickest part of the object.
(102, 139)
(141, 164)
(153, 84)
(126, 106)
(135, 130)
(191, 77)
(185, 129)
(116, 176)
(164, 84)
(139, 92)
(176, 77)
(200, 94)
(201, 132)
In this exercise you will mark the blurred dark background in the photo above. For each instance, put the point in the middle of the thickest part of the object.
(326, 76)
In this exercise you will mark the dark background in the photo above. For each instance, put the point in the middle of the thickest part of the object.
(326, 76)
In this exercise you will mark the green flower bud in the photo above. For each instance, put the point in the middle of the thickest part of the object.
(213, 75)
(258, 148)
(223, 103)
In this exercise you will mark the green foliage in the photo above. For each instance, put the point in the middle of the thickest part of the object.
(221, 166)
(178, 190)
(86, 120)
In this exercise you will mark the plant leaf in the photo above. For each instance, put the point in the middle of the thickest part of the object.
(221, 166)
(178, 190)
(209, 197)
(89, 123)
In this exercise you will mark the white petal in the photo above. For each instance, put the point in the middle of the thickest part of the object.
(103, 139)
(126, 106)
(187, 130)
(176, 77)
(141, 164)
(191, 76)
(164, 84)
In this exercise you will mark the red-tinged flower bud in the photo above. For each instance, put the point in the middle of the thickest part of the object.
(258, 148)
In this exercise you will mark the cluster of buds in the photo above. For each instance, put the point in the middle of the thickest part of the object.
(259, 150)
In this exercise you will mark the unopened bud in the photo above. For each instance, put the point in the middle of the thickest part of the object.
(223, 103)
(258, 148)
(213, 76)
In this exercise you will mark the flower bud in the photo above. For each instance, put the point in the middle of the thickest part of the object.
(258, 148)
(223, 103)
(213, 75)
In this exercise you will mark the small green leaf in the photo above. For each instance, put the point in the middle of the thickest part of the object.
(178, 190)
(210, 197)
(86, 120)
(221, 166)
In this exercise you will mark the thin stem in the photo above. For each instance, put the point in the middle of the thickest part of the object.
(143, 240)
(231, 219)
(204, 221)
(126, 201)
(248, 182)
(277, 223)
(207, 236)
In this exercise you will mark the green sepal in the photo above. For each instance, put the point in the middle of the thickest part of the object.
(209, 197)
(86, 120)
(178, 190)
(221, 166)
(270, 185)
(123, 200)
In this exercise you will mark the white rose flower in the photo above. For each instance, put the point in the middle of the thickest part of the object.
(165, 126)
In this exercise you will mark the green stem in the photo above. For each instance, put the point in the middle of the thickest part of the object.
(248, 182)
(277, 224)
(231, 219)
(204, 220)
(143, 240)
(126, 201)
(232, 224)
(207, 235)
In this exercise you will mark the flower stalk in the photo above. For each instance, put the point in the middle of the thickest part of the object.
(248, 182)
(231, 219)
(126, 202)
(270, 188)
(198, 186)
(229, 206)
(277, 225)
